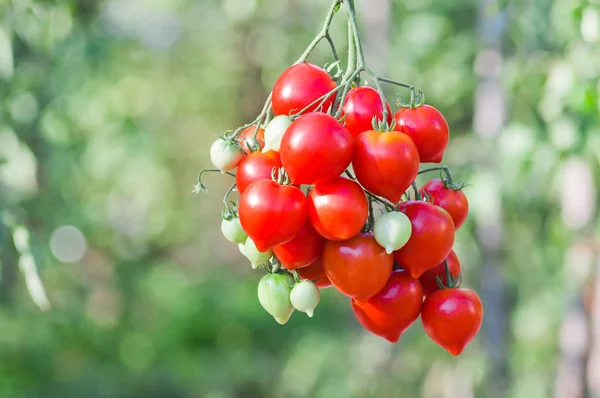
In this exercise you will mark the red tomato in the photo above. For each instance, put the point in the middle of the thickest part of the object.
(385, 163)
(338, 209)
(428, 280)
(431, 239)
(454, 202)
(256, 166)
(316, 148)
(272, 214)
(357, 267)
(301, 251)
(361, 105)
(316, 273)
(429, 130)
(299, 86)
(391, 311)
(452, 317)
(247, 133)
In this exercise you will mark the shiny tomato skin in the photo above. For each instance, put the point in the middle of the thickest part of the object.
(247, 133)
(390, 312)
(357, 267)
(385, 163)
(316, 148)
(428, 280)
(256, 166)
(338, 209)
(316, 273)
(452, 317)
(272, 214)
(299, 86)
(428, 128)
(361, 105)
(454, 202)
(431, 239)
(304, 249)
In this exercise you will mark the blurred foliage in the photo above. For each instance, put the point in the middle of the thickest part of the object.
(107, 110)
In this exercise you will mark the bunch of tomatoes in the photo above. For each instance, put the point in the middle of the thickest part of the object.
(327, 197)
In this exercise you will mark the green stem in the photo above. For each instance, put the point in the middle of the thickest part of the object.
(445, 169)
(416, 191)
(226, 197)
(323, 34)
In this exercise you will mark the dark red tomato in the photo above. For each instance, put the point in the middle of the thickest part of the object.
(454, 202)
(391, 311)
(452, 317)
(357, 267)
(361, 105)
(338, 209)
(272, 214)
(385, 163)
(256, 166)
(299, 86)
(301, 251)
(431, 239)
(428, 280)
(246, 134)
(316, 273)
(316, 148)
(427, 127)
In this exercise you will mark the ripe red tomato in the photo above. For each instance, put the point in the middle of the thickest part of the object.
(272, 214)
(391, 311)
(338, 209)
(301, 251)
(454, 202)
(361, 105)
(247, 133)
(315, 148)
(256, 166)
(357, 267)
(316, 273)
(452, 317)
(385, 163)
(428, 280)
(431, 239)
(428, 129)
(299, 86)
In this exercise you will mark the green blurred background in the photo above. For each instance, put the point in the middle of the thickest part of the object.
(116, 282)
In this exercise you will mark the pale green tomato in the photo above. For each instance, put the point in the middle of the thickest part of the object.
(305, 297)
(392, 230)
(274, 295)
(256, 257)
(225, 154)
(274, 132)
(242, 248)
(232, 230)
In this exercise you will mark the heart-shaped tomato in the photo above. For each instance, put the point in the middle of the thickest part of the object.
(272, 214)
(385, 163)
(357, 267)
(431, 239)
(391, 311)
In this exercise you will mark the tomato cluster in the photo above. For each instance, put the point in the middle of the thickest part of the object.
(309, 185)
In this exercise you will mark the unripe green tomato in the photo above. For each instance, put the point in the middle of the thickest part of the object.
(392, 230)
(274, 132)
(256, 257)
(305, 297)
(225, 154)
(232, 230)
(274, 295)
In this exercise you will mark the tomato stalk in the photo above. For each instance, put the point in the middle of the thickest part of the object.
(448, 181)
(451, 282)
(201, 186)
